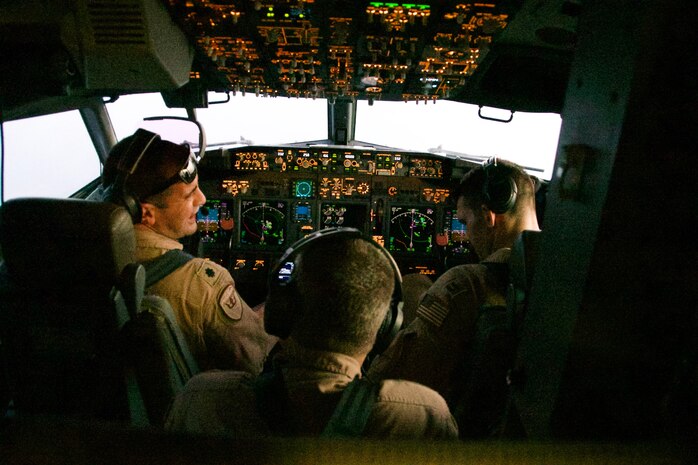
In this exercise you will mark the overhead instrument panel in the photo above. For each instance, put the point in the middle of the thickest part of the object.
(412, 52)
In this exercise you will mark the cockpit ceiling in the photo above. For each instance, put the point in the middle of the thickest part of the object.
(423, 51)
(504, 53)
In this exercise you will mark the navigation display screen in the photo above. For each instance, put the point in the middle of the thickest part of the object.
(411, 230)
(263, 223)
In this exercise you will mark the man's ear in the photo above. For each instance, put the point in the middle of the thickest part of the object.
(147, 214)
(488, 215)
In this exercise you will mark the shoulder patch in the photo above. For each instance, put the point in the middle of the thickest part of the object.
(433, 310)
(209, 272)
(230, 304)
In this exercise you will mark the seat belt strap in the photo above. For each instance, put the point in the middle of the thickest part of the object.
(179, 353)
(159, 267)
(351, 414)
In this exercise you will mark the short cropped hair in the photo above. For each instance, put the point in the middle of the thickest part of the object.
(345, 286)
(472, 185)
(161, 162)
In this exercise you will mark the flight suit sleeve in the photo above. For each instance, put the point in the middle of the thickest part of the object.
(233, 333)
(431, 347)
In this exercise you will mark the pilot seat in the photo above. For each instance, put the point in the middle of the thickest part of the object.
(78, 337)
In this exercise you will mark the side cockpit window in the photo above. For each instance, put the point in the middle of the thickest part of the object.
(47, 156)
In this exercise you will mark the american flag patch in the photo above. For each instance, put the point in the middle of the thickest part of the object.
(432, 310)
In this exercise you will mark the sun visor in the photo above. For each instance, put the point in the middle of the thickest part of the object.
(132, 45)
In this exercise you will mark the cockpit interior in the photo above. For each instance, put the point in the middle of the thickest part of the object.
(262, 198)
(609, 340)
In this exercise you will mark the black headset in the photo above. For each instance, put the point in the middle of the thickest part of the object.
(499, 189)
(280, 312)
(117, 192)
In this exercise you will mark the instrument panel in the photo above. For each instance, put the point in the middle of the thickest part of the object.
(396, 51)
(262, 199)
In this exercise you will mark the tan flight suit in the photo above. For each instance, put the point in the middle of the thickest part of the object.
(432, 348)
(221, 329)
(224, 402)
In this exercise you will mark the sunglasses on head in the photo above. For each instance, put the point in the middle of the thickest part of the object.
(190, 170)
(186, 175)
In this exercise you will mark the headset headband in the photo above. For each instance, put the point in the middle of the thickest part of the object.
(281, 312)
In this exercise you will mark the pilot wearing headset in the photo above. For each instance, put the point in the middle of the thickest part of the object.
(157, 181)
(334, 298)
(496, 202)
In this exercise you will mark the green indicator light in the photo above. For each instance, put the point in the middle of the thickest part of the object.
(376, 4)
(409, 6)
(301, 15)
(271, 8)
(286, 15)
(423, 7)
(392, 5)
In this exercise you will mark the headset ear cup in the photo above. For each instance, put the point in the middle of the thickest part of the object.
(280, 311)
(499, 189)
(116, 194)
(502, 194)
(391, 325)
(133, 207)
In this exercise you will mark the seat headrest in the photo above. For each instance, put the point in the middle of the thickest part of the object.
(64, 243)
(522, 259)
